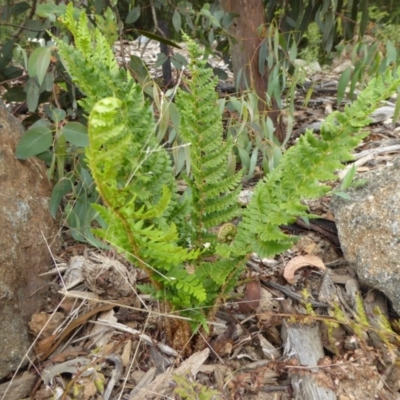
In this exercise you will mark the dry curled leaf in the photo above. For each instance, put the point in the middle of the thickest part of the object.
(299, 262)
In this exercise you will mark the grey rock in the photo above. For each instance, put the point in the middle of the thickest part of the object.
(25, 226)
(369, 230)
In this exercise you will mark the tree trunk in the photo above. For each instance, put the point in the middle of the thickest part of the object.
(244, 48)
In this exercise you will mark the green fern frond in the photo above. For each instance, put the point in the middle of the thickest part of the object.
(69, 20)
(133, 173)
(91, 62)
(113, 157)
(181, 280)
(218, 270)
(213, 194)
(278, 199)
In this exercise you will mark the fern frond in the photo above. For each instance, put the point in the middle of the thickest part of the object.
(213, 194)
(188, 283)
(218, 270)
(91, 62)
(121, 168)
(277, 200)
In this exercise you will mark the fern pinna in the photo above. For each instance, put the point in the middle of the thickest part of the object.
(191, 251)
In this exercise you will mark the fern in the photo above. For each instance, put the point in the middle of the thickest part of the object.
(214, 195)
(278, 199)
(191, 252)
(130, 218)
(132, 172)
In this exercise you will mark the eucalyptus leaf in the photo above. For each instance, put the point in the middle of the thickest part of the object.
(6, 54)
(48, 82)
(39, 62)
(244, 158)
(211, 36)
(262, 55)
(357, 73)
(46, 156)
(92, 240)
(253, 163)
(161, 59)
(86, 178)
(293, 52)
(391, 53)
(58, 115)
(158, 38)
(343, 195)
(50, 10)
(348, 179)
(164, 121)
(179, 156)
(76, 134)
(34, 141)
(133, 15)
(342, 85)
(32, 94)
(276, 157)
(228, 19)
(20, 8)
(60, 189)
(41, 123)
(139, 67)
(176, 20)
(74, 224)
(237, 104)
(172, 135)
(178, 61)
(396, 110)
(175, 116)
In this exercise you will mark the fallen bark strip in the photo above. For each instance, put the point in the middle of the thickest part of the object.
(304, 343)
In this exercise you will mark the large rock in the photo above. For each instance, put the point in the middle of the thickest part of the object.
(25, 226)
(369, 230)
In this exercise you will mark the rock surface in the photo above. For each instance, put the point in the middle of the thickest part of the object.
(25, 226)
(369, 230)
